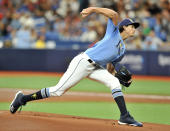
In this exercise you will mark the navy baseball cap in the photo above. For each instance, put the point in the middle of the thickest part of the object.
(127, 21)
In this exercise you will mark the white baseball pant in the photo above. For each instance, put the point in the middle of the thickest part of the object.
(80, 68)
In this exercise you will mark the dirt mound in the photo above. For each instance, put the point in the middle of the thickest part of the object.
(35, 121)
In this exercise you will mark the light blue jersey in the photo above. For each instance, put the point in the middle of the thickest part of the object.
(110, 49)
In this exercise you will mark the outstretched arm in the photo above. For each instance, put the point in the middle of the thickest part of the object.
(105, 11)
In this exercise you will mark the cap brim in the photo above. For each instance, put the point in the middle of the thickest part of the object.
(136, 24)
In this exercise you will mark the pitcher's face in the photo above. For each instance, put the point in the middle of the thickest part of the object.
(130, 30)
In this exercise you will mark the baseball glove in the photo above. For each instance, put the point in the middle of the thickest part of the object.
(124, 76)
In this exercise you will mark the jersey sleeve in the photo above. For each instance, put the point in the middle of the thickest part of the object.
(110, 27)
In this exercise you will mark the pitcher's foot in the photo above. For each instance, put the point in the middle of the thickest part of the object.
(127, 119)
(16, 103)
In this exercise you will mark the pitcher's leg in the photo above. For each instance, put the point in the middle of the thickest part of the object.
(103, 76)
(112, 82)
(77, 70)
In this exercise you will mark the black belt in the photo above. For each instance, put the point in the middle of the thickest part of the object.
(90, 61)
(93, 63)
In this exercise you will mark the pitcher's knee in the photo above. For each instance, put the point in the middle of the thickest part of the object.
(54, 91)
(113, 83)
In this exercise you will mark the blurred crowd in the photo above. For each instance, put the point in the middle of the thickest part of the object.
(43, 23)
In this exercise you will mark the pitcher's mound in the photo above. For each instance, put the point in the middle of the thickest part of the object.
(35, 121)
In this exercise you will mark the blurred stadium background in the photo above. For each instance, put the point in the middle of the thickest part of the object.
(44, 35)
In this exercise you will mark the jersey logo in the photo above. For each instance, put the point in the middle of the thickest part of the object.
(120, 45)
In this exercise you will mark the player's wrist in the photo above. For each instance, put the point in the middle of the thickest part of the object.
(93, 9)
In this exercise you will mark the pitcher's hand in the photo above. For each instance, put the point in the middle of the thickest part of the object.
(87, 11)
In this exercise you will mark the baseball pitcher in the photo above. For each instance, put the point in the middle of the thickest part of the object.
(96, 63)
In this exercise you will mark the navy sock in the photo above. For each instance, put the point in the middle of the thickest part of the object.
(43, 93)
(31, 97)
(121, 104)
(118, 97)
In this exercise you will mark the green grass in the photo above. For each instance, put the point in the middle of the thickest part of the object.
(153, 113)
(39, 82)
(149, 87)
(28, 82)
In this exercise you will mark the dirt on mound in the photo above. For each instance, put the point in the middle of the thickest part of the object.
(35, 121)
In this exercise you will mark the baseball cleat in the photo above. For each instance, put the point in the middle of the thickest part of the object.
(127, 119)
(16, 103)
